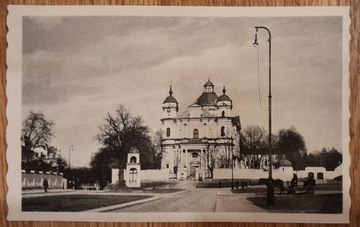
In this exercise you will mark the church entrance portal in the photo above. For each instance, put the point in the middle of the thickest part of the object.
(193, 168)
(195, 163)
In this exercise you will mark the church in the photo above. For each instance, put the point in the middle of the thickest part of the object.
(201, 138)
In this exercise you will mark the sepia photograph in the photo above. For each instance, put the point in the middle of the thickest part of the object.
(178, 114)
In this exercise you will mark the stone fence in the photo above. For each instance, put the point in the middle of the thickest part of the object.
(283, 173)
(35, 180)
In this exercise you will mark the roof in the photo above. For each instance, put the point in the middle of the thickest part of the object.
(170, 98)
(224, 97)
(207, 99)
(208, 83)
(283, 162)
(186, 114)
(205, 113)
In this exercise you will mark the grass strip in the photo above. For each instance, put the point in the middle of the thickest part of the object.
(63, 203)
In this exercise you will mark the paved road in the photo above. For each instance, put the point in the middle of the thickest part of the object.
(197, 200)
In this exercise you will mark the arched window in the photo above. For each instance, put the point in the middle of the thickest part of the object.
(222, 131)
(196, 133)
(167, 132)
(133, 159)
(223, 114)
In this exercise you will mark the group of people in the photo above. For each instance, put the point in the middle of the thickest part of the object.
(309, 184)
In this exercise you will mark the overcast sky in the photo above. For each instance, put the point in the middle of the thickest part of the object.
(76, 69)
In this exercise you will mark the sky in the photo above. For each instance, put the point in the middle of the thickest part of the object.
(78, 68)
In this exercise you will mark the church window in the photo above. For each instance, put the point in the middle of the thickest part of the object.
(196, 133)
(223, 114)
(168, 132)
(195, 155)
(222, 131)
(133, 159)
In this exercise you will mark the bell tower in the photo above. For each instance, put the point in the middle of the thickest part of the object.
(224, 103)
(170, 106)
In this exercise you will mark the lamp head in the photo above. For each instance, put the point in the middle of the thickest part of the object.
(255, 41)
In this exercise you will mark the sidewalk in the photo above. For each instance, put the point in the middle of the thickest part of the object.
(229, 202)
(51, 192)
(54, 192)
(41, 191)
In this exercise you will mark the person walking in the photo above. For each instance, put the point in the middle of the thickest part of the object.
(46, 185)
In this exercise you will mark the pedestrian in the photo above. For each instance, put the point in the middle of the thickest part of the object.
(237, 184)
(294, 181)
(46, 185)
(219, 184)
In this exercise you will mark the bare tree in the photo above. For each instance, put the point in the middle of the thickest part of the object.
(122, 131)
(37, 131)
(253, 137)
(210, 160)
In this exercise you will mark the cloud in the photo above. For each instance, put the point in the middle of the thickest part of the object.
(76, 69)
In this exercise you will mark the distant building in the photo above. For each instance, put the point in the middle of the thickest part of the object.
(204, 136)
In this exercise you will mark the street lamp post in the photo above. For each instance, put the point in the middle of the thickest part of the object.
(270, 185)
(232, 167)
(70, 147)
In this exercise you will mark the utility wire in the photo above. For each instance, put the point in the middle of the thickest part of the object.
(259, 87)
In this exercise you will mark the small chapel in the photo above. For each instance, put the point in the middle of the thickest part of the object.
(201, 138)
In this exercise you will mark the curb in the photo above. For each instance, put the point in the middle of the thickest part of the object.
(114, 207)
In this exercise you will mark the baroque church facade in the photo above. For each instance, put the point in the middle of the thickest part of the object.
(202, 138)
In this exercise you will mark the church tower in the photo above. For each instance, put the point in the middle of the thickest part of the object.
(224, 103)
(170, 106)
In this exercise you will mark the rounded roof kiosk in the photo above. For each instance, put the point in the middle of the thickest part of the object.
(283, 162)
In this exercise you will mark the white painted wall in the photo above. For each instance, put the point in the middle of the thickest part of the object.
(35, 180)
(149, 174)
(283, 173)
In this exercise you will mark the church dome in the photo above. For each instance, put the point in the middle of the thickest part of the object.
(208, 97)
(170, 98)
(224, 97)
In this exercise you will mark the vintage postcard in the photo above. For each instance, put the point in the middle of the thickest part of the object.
(152, 114)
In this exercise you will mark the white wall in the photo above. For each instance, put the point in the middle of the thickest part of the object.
(283, 173)
(114, 175)
(35, 180)
(253, 174)
(149, 174)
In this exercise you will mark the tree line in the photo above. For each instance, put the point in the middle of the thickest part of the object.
(122, 131)
(289, 143)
